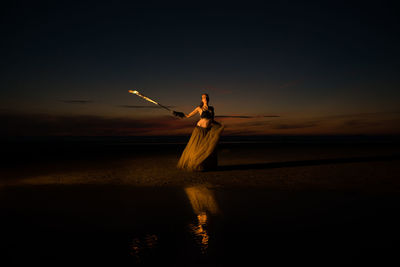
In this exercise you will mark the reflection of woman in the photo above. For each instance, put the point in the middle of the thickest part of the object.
(203, 202)
(200, 152)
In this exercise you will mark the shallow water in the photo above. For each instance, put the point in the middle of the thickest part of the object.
(124, 226)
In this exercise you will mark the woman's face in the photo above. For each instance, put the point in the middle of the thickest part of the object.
(204, 99)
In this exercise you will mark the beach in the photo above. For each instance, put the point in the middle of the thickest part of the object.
(287, 110)
(291, 166)
(328, 203)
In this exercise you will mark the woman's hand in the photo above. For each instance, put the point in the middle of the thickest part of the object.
(178, 114)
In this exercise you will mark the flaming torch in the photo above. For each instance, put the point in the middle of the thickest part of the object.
(147, 99)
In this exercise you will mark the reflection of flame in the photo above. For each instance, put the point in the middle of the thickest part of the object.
(202, 201)
(138, 246)
(200, 231)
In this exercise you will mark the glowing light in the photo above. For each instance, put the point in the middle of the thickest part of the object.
(142, 96)
(147, 99)
(200, 231)
(202, 201)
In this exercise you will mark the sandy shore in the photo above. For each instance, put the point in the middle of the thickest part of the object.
(324, 205)
(361, 167)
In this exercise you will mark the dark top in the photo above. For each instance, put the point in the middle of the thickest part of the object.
(208, 114)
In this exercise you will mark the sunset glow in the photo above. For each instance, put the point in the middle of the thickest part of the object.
(288, 69)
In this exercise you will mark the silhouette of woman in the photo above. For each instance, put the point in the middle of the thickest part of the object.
(200, 153)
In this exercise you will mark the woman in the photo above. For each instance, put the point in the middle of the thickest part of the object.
(200, 153)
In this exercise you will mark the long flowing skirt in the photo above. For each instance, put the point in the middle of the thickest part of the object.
(200, 153)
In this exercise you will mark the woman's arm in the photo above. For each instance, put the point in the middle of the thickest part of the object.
(192, 113)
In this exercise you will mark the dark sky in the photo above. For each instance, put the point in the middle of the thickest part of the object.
(322, 68)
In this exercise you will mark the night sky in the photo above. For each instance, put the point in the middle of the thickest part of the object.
(281, 68)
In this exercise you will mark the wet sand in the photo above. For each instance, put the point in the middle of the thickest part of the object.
(360, 167)
(325, 204)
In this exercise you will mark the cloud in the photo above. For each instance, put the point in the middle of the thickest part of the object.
(17, 124)
(360, 123)
(233, 116)
(145, 107)
(246, 117)
(73, 101)
(364, 114)
(27, 124)
(294, 125)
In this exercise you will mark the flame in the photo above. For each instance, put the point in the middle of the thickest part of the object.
(142, 96)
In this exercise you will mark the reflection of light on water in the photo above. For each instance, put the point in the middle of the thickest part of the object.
(200, 232)
(203, 202)
(140, 245)
(202, 199)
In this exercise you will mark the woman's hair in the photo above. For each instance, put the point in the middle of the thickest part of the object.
(208, 99)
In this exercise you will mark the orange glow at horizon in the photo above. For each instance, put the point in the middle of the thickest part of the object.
(44, 124)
